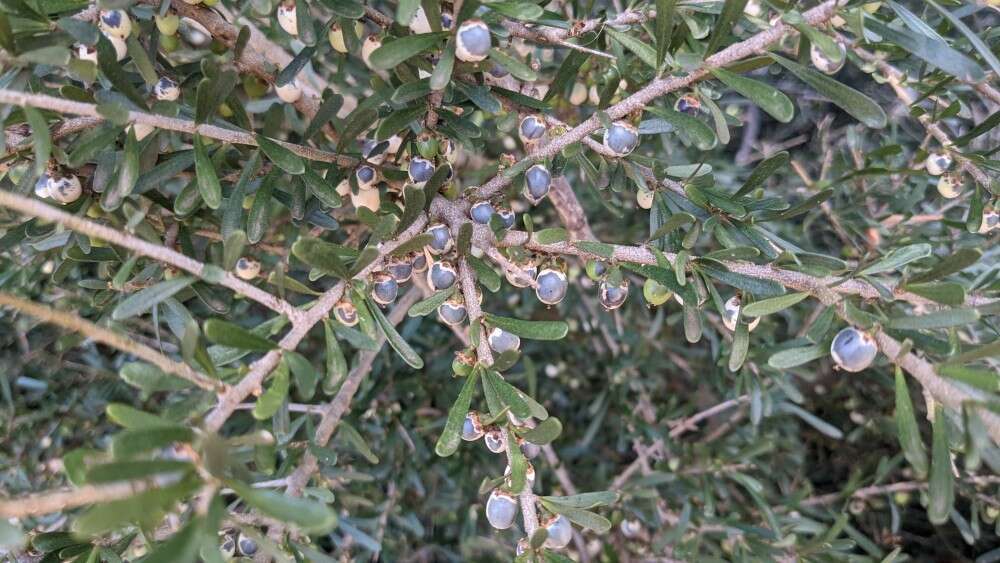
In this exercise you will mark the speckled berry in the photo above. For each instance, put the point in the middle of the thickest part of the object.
(166, 89)
(825, 64)
(400, 269)
(621, 138)
(289, 93)
(853, 350)
(247, 268)
(501, 508)
(420, 170)
(560, 532)
(441, 240)
(346, 313)
(366, 176)
(524, 278)
(688, 104)
(502, 341)
(537, 181)
(384, 288)
(481, 212)
(552, 286)
(991, 221)
(612, 296)
(65, 189)
(938, 163)
(472, 428)
(115, 23)
(247, 546)
(452, 312)
(441, 275)
(950, 185)
(507, 217)
(655, 293)
(493, 438)
(288, 17)
(228, 546)
(473, 41)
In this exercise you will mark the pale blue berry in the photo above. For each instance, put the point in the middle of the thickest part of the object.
(420, 170)
(613, 296)
(384, 288)
(531, 129)
(621, 138)
(441, 240)
(441, 275)
(853, 350)
(560, 532)
(537, 181)
(473, 41)
(481, 212)
(552, 286)
(452, 312)
(501, 508)
(502, 341)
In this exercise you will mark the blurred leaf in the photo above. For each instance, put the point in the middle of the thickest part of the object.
(228, 334)
(858, 105)
(897, 258)
(536, 330)
(906, 427)
(769, 98)
(451, 436)
(938, 319)
(935, 52)
(310, 516)
(392, 53)
(942, 484)
(395, 340)
(731, 12)
(281, 156)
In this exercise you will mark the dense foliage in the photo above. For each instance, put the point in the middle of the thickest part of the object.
(317, 280)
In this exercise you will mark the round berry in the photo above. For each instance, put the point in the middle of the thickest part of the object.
(453, 312)
(644, 197)
(560, 532)
(481, 212)
(65, 189)
(950, 185)
(731, 313)
(166, 89)
(167, 25)
(441, 240)
(613, 296)
(473, 41)
(938, 163)
(289, 93)
(688, 104)
(530, 450)
(531, 129)
(115, 23)
(420, 170)
(596, 269)
(288, 18)
(655, 293)
(472, 428)
(578, 95)
(228, 546)
(447, 20)
(501, 508)
(419, 262)
(825, 64)
(630, 528)
(384, 288)
(853, 350)
(494, 440)
(42, 187)
(366, 176)
(502, 341)
(537, 181)
(552, 286)
(346, 313)
(991, 220)
(246, 545)
(247, 268)
(441, 275)
(336, 38)
(621, 138)
(400, 269)
(507, 217)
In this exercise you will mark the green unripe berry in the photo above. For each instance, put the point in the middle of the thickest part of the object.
(254, 86)
(168, 24)
(169, 43)
(655, 293)
(596, 269)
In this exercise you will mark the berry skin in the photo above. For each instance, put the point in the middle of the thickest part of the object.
(400, 269)
(824, 63)
(472, 428)
(630, 528)
(688, 104)
(65, 189)
(644, 198)
(369, 199)
(531, 129)
(507, 217)
(384, 288)
(288, 18)
(502, 341)
(621, 138)
(246, 545)
(166, 89)
(441, 275)
(481, 212)
(537, 181)
(950, 185)
(452, 312)
(168, 24)
(368, 47)
(228, 546)
(655, 293)
(115, 23)
(447, 21)
(420, 170)
(530, 450)
(346, 313)
(853, 350)
(419, 262)
(528, 268)
(419, 23)
(494, 440)
(613, 296)
(991, 220)
(473, 41)
(441, 240)
(86, 53)
(579, 94)
(552, 286)
(247, 268)
(596, 269)
(731, 312)
(560, 532)
(501, 508)
(937, 164)
(42, 187)
(289, 93)
(367, 176)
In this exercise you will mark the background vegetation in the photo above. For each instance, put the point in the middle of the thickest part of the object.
(829, 165)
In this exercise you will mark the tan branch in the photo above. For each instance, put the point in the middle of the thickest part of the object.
(57, 501)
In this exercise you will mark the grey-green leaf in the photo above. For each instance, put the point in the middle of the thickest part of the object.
(858, 105)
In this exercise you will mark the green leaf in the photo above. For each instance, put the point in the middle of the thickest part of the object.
(395, 340)
(952, 263)
(11, 536)
(858, 105)
(322, 255)
(906, 427)
(324, 191)
(135, 469)
(132, 418)
(517, 68)
(756, 286)
(208, 181)
(441, 76)
(794, 357)
(507, 395)
(551, 235)
(517, 10)
(451, 436)
(946, 293)
(601, 249)
(399, 120)
(772, 305)
(897, 258)
(128, 173)
(938, 319)
(281, 156)
(355, 440)
(985, 351)
(769, 98)
(306, 376)
(140, 440)
(585, 501)
(545, 433)
(740, 347)
(259, 218)
(270, 401)
(731, 12)
(762, 172)
(392, 53)
(578, 516)
(935, 52)
(536, 330)
(147, 298)
(981, 47)
(664, 28)
(485, 274)
(41, 137)
(641, 49)
(228, 334)
(336, 363)
(327, 111)
(941, 492)
(145, 508)
(692, 128)
(310, 516)
(150, 378)
(986, 379)
(107, 61)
